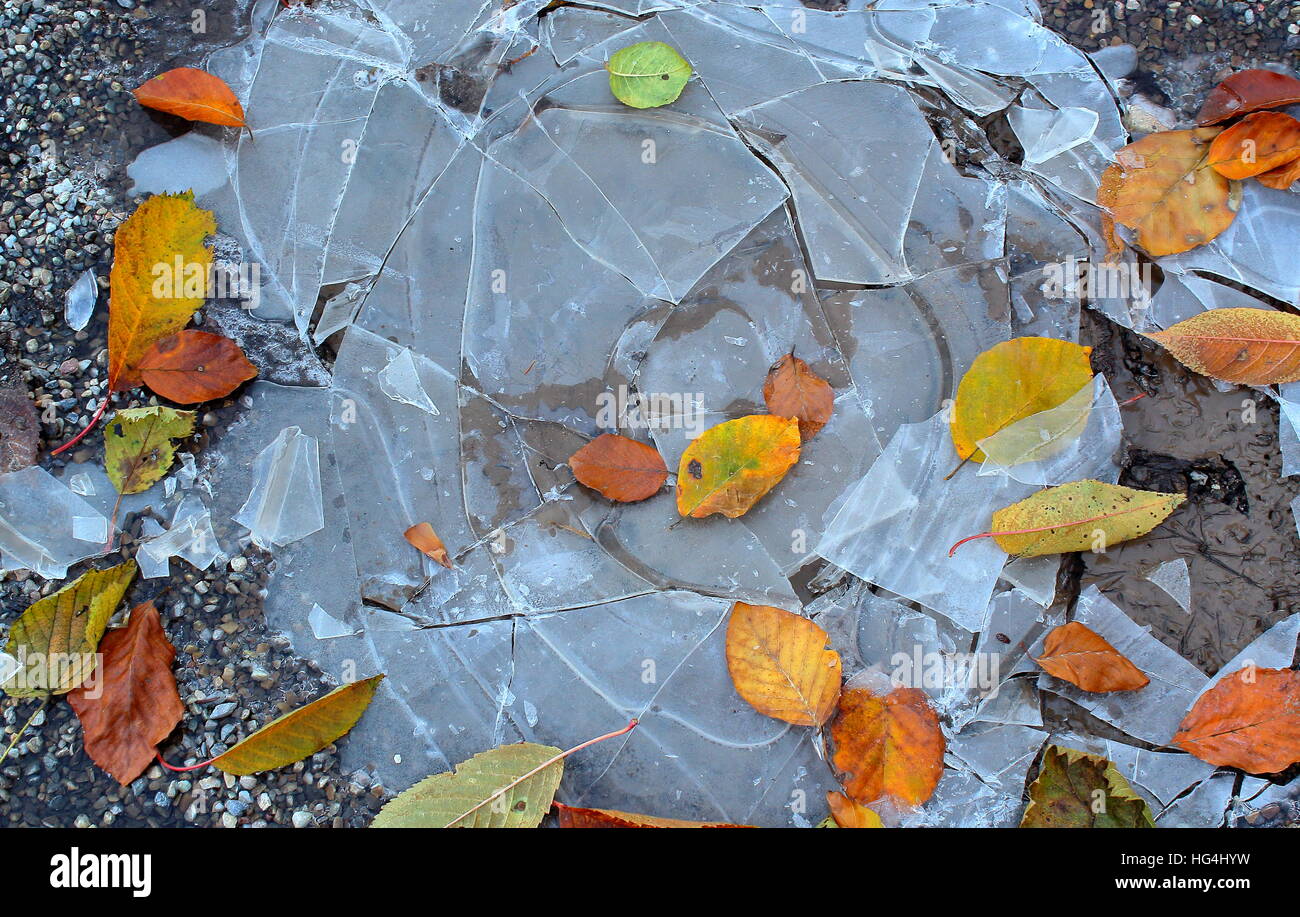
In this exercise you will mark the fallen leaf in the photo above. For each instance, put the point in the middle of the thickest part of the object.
(137, 705)
(1161, 188)
(145, 304)
(619, 468)
(426, 541)
(780, 664)
(1078, 790)
(792, 389)
(1249, 720)
(1249, 90)
(1257, 143)
(848, 814)
(1281, 178)
(55, 639)
(1079, 516)
(1011, 381)
(194, 95)
(459, 799)
(192, 366)
(300, 732)
(648, 74)
(20, 430)
(138, 447)
(1245, 346)
(887, 745)
(1081, 656)
(571, 817)
(729, 467)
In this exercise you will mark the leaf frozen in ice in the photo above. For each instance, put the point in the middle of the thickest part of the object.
(648, 74)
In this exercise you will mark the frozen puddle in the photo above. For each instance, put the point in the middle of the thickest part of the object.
(493, 251)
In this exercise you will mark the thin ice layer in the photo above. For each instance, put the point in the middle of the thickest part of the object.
(284, 503)
(1173, 577)
(39, 523)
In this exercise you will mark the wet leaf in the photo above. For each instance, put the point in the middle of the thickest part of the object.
(1011, 381)
(887, 745)
(20, 430)
(461, 799)
(648, 74)
(55, 639)
(426, 541)
(1257, 143)
(792, 389)
(1245, 346)
(137, 705)
(138, 447)
(192, 366)
(729, 467)
(848, 814)
(780, 664)
(1078, 790)
(1162, 188)
(1249, 90)
(1249, 720)
(1281, 178)
(159, 279)
(194, 95)
(619, 468)
(1079, 655)
(300, 732)
(571, 817)
(1079, 516)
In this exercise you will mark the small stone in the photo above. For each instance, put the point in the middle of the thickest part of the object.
(302, 819)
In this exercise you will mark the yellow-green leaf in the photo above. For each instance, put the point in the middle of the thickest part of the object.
(300, 732)
(1078, 790)
(55, 639)
(138, 448)
(1245, 346)
(647, 74)
(472, 796)
(729, 467)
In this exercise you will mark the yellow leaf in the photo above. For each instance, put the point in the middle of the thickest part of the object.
(729, 467)
(1245, 346)
(779, 663)
(138, 448)
(845, 813)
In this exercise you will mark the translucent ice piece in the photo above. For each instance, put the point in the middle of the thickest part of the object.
(189, 537)
(1173, 577)
(192, 162)
(339, 311)
(1182, 296)
(38, 523)
(1273, 649)
(79, 303)
(985, 782)
(1204, 807)
(81, 485)
(1045, 134)
(285, 502)
(325, 626)
(571, 30)
(1034, 576)
(399, 381)
(1158, 776)
(90, 528)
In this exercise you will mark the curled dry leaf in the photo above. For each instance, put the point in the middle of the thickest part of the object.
(1249, 90)
(1078, 790)
(729, 467)
(426, 541)
(20, 430)
(1250, 720)
(194, 95)
(780, 663)
(571, 817)
(849, 814)
(619, 468)
(1161, 188)
(887, 745)
(1281, 178)
(1257, 143)
(792, 389)
(192, 366)
(137, 704)
(300, 732)
(1079, 655)
(138, 447)
(1245, 346)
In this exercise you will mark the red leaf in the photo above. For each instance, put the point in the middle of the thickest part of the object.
(192, 366)
(619, 468)
(793, 390)
(192, 94)
(1249, 719)
(425, 540)
(1249, 90)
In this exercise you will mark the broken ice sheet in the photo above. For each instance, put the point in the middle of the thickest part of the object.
(1034, 576)
(984, 783)
(1204, 807)
(1273, 649)
(40, 519)
(325, 626)
(93, 529)
(191, 162)
(189, 537)
(1173, 577)
(79, 302)
(1045, 134)
(285, 502)
(1159, 777)
(399, 381)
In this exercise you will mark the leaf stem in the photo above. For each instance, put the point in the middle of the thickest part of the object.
(103, 406)
(181, 770)
(19, 734)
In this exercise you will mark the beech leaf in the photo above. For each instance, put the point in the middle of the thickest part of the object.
(887, 745)
(849, 814)
(1281, 178)
(193, 366)
(426, 541)
(192, 94)
(1245, 346)
(779, 662)
(572, 817)
(1078, 790)
(1249, 720)
(619, 468)
(1249, 90)
(729, 467)
(138, 448)
(792, 389)
(648, 74)
(1075, 653)
(1257, 143)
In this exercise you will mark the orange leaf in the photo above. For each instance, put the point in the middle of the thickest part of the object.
(1282, 177)
(135, 704)
(1249, 720)
(792, 389)
(571, 817)
(1257, 143)
(192, 94)
(619, 468)
(849, 814)
(1249, 90)
(426, 541)
(887, 745)
(1245, 346)
(1079, 655)
(780, 664)
(728, 468)
(192, 366)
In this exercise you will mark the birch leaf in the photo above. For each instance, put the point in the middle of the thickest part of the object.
(138, 448)
(192, 94)
(887, 745)
(792, 389)
(1245, 346)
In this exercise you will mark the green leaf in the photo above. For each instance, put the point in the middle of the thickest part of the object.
(138, 448)
(466, 798)
(1078, 790)
(56, 638)
(648, 74)
(300, 732)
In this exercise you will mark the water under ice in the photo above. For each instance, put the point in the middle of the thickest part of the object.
(491, 251)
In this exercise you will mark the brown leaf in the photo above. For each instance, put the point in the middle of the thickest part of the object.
(1249, 720)
(1281, 178)
(1249, 90)
(779, 662)
(20, 430)
(792, 389)
(571, 817)
(192, 94)
(619, 468)
(426, 541)
(192, 366)
(850, 814)
(1079, 655)
(887, 745)
(134, 704)
(1240, 345)
(1257, 143)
